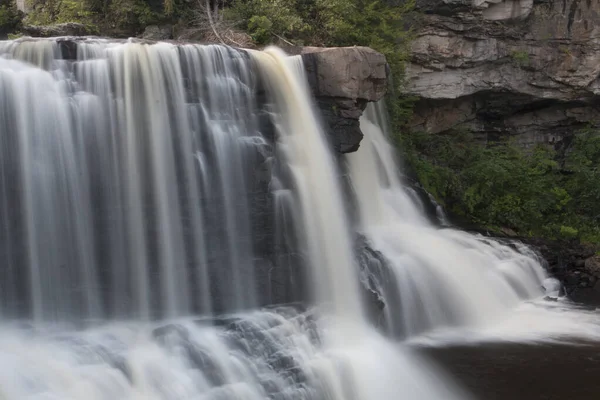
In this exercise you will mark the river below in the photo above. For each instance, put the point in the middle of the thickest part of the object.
(503, 371)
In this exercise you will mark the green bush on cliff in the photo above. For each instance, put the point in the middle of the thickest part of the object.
(381, 25)
(46, 12)
(503, 185)
(113, 16)
(10, 17)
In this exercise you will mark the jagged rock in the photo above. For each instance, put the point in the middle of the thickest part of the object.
(592, 266)
(356, 73)
(566, 261)
(343, 80)
(519, 67)
(155, 32)
(66, 29)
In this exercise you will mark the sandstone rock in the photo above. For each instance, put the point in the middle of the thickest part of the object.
(347, 72)
(66, 29)
(343, 80)
(507, 67)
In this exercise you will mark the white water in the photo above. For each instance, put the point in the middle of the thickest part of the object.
(125, 173)
(445, 285)
(368, 365)
(325, 231)
(117, 163)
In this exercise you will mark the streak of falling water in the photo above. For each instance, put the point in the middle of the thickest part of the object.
(440, 277)
(325, 231)
(125, 178)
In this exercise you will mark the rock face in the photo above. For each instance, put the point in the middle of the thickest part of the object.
(528, 68)
(343, 80)
(576, 266)
(155, 32)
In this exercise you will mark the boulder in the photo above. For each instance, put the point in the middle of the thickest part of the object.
(343, 80)
(524, 68)
(155, 32)
(356, 73)
(592, 266)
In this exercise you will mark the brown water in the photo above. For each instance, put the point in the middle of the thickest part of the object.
(505, 371)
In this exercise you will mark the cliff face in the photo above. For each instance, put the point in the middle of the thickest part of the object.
(344, 80)
(528, 68)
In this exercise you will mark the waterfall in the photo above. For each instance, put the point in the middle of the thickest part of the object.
(153, 198)
(324, 229)
(126, 177)
(436, 277)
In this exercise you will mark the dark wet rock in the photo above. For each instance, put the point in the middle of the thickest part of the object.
(573, 264)
(592, 265)
(343, 80)
(377, 285)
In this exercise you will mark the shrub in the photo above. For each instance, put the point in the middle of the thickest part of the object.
(10, 17)
(260, 29)
(533, 192)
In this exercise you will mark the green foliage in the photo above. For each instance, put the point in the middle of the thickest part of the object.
(282, 16)
(10, 17)
(114, 16)
(131, 15)
(378, 24)
(73, 10)
(504, 185)
(260, 29)
(59, 11)
(568, 232)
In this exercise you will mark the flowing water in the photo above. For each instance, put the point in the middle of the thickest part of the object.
(160, 202)
(442, 285)
(143, 184)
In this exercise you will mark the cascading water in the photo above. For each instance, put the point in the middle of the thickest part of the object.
(437, 277)
(118, 162)
(131, 182)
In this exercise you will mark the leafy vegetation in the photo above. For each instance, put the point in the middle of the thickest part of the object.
(59, 11)
(380, 24)
(114, 17)
(533, 192)
(10, 17)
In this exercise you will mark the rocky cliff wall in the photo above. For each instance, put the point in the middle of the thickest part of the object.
(528, 68)
(344, 80)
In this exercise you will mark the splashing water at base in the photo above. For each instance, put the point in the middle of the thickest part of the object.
(445, 285)
(274, 354)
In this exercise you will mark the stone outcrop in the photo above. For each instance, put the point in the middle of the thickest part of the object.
(575, 265)
(156, 32)
(343, 80)
(528, 68)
